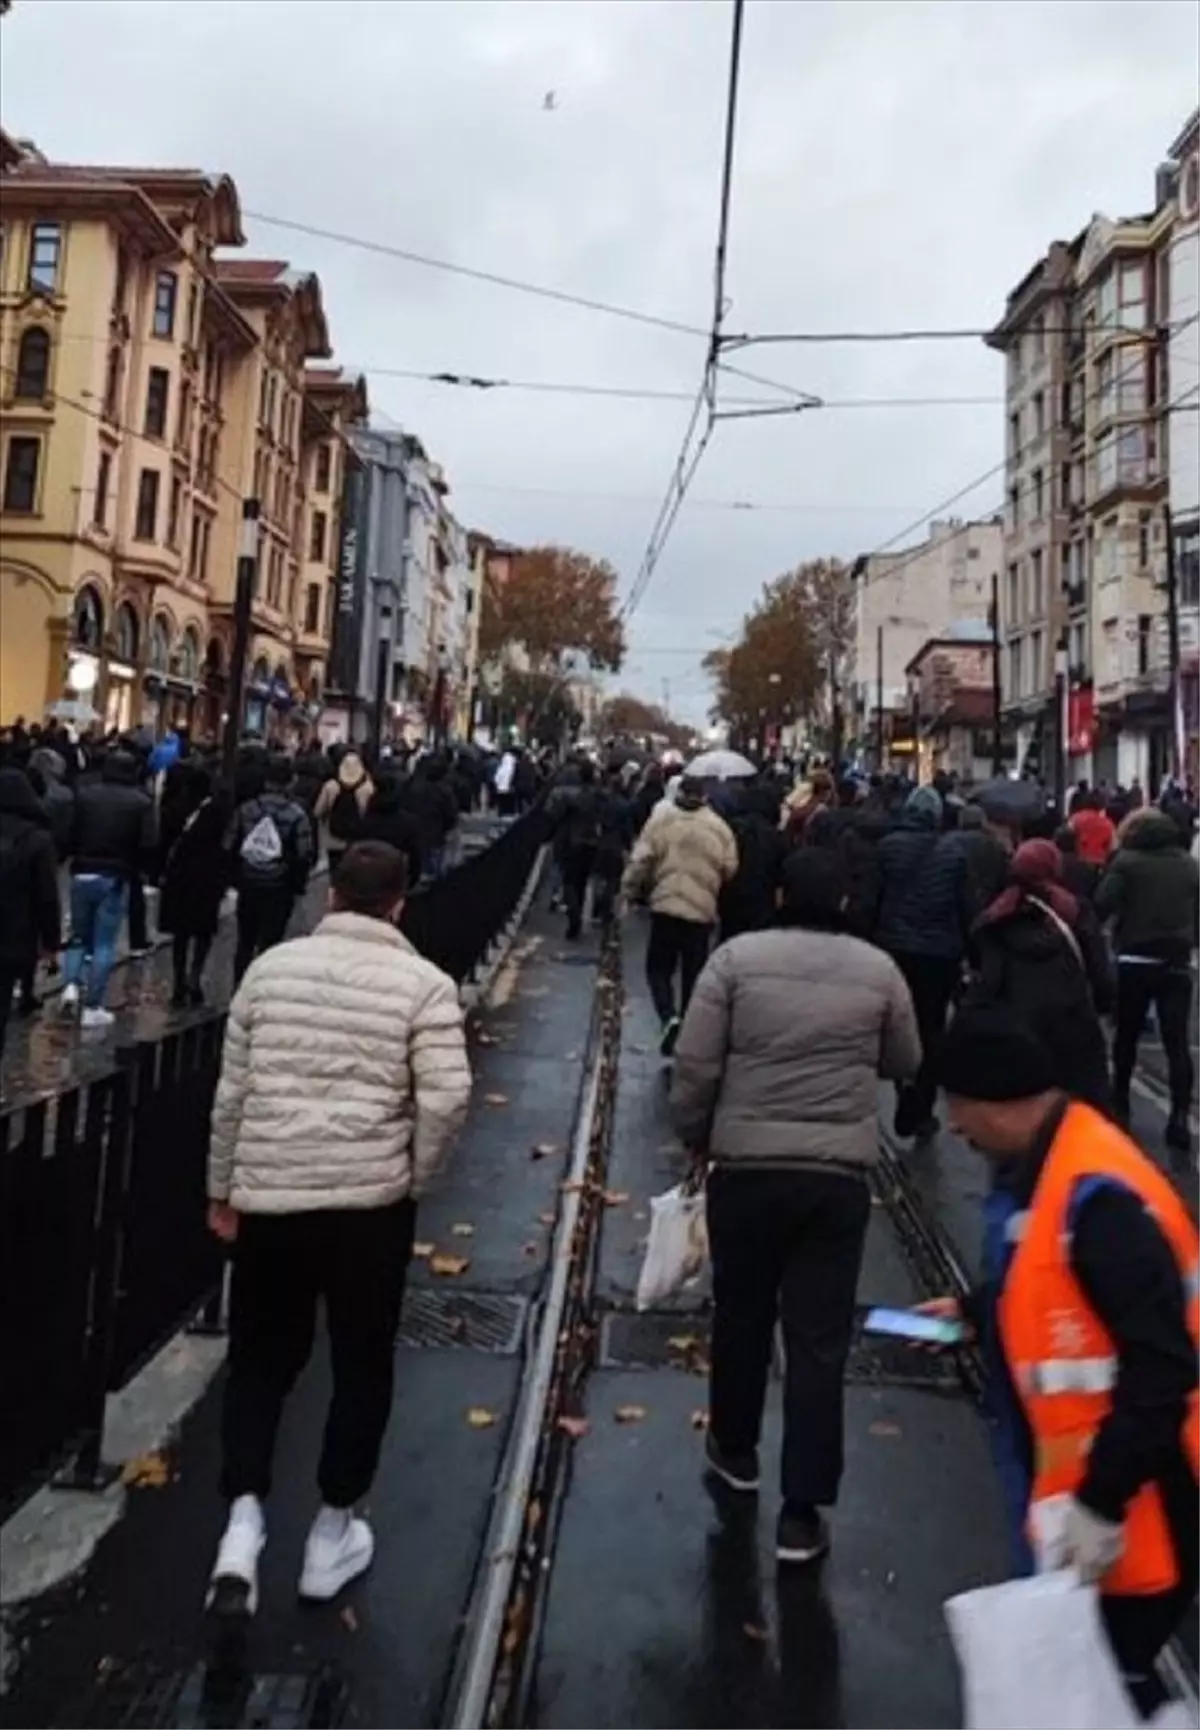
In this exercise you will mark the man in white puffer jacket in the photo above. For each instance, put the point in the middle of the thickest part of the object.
(343, 1080)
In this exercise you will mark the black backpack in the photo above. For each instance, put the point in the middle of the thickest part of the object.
(345, 818)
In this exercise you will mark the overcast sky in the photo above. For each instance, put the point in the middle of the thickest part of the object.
(899, 164)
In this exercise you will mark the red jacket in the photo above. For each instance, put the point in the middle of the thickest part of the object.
(1096, 835)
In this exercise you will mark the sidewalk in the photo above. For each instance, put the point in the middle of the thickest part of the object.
(133, 1618)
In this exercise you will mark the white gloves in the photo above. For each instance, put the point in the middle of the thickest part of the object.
(1090, 1545)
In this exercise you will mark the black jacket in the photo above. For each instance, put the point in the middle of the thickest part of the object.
(435, 809)
(748, 901)
(1151, 891)
(295, 833)
(58, 801)
(1026, 962)
(932, 887)
(115, 829)
(197, 873)
(386, 819)
(29, 912)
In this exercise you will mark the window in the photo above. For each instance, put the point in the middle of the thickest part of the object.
(1132, 381)
(1015, 669)
(1077, 645)
(1131, 455)
(1187, 564)
(1105, 400)
(21, 474)
(1037, 604)
(1014, 434)
(100, 502)
(1104, 473)
(312, 607)
(1039, 493)
(159, 653)
(274, 577)
(1106, 300)
(33, 365)
(1039, 414)
(330, 595)
(1014, 507)
(1034, 670)
(291, 594)
(1143, 539)
(120, 281)
(205, 532)
(1144, 628)
(1014, 593)
(165, 286)
(193, 309)
(146, 517)
(1133, 294)
(112, 385)
(173, 507)
(126, 632)
(189, 655)
(194, 549)
(45, 257)
(158, 390)
(1064, 486)
(316, 537)
(1039, 336)
(325, 467)
(262, 397)
(87, 619)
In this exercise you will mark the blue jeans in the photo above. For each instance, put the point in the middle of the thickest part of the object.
(97, 909)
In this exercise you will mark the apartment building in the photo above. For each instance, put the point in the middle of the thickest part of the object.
(115, 345)
(335, 406)
(951, 694)
(900, 601)
(1182, 183)
(468, 706)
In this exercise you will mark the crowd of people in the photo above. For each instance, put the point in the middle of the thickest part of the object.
(89, 824)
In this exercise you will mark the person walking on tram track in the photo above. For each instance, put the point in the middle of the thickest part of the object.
(271, 853)
(776, 1082)
(1090, 1322)
(343, 1081)
(1151, 893)
(682, 858)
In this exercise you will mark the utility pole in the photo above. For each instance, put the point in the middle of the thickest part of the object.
(247, 571)
(994, 623)
(1060, 725)
(879, 698)
(383, 663)
(1174, 692)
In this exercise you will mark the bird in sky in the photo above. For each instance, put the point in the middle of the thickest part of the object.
(550, 101)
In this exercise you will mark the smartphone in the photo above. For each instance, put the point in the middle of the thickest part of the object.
(909, 1325)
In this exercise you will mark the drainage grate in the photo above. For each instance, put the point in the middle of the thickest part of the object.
(477, 1321)
(202, 1699)
(654, 1340)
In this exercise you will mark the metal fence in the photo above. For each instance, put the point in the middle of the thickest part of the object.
(104, 1250)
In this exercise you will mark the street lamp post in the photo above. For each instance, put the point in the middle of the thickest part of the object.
(247, 569)
(1060, 723)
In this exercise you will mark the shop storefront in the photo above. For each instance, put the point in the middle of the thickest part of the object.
(122, 670)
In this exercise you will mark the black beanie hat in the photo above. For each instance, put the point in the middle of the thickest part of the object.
(987, 1052)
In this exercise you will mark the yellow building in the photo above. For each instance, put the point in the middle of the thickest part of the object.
(147, 387)
(109, 329)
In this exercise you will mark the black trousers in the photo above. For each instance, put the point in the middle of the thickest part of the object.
(262, 922)
(676, 945)
(139, 937)
(786, 1246)
(356, 1261)
(931, 982)
(606, 884)
(188, 955)
(1169, 989)
(575, 867)
(9, 975)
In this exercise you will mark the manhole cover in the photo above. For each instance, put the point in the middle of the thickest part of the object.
(651, 1341)
(203, 1699)
(478, 1321)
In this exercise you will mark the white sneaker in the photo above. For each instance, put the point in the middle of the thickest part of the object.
(97, 1018)
(234, 1587)
(339, 1547)
(69, 1001)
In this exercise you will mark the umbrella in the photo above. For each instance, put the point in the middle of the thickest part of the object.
(76, 709)
(1012, 802)
(720, 766)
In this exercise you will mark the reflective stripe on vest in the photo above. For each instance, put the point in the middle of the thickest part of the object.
(1063, 1360)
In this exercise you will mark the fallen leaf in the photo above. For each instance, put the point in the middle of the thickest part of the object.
(615, 1197)
(882, 1427)
(547, 1218)
(349, 1618)
(629, 1414)
(449, 1266)
(462, 1229)
(544, 1150)
(480, 1418)
(495, 1099)
(145, 1472)
(574, 1427)
(752, 1631)
(699, 1420)
(683, 1342)
(423, 1251)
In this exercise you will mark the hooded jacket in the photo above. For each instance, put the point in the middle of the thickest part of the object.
(387, 819)
(115, 828)
(683, 857)
(29, 911)
(58, 801)
(908, 921)
(1151, 891)
(344, 1074)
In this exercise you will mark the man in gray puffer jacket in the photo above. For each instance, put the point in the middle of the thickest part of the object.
(343, 1080)
(776, 1081)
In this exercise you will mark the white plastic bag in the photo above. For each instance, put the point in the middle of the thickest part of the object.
(1034, 1653)
(677, 1247)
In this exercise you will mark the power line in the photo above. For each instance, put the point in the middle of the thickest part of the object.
(702, 420)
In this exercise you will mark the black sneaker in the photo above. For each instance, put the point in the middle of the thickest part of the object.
(1179, 1132)
(801, 1536)
(670, 1036)
(739, 1471)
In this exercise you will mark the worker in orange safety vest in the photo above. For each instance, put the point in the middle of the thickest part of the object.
(1090, 1318)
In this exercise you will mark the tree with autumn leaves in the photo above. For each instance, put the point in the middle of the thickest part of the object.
(557, 607)
(629, 717)
(779, 667)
